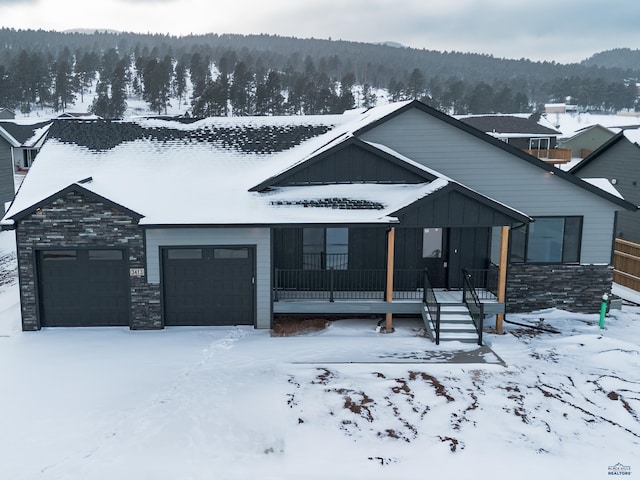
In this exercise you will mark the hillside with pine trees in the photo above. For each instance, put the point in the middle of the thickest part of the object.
(207, 75)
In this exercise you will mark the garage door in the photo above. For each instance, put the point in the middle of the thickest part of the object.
(208, 286)
(79, 288)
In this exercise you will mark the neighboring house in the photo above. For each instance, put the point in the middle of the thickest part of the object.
(78, 116)
(559, 108)
(19, 144)
(586, 140)
(618, 160)
(153, 223)
(525, 133)
(6, 114)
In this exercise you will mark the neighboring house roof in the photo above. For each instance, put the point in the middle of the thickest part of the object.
(509, 125)
(7, 113)
(598, 152)
(587, 131)
(209, 171)
(28, 135)
(78, 115)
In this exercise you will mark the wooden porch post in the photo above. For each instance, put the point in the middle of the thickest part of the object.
(502, 276)
(388, 296)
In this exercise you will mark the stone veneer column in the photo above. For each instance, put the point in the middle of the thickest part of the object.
(76, 220)
(577, 288)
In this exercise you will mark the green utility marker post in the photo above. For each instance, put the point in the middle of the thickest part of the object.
(603, 309)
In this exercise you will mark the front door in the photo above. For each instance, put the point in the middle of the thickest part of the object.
(468, 248)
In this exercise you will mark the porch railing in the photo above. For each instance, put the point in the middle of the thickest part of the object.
(483, 280)
(432, 305)
(333, 284)
(471, 299)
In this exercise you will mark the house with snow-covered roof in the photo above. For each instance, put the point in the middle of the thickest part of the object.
(19, 144)
(399, 209)
(7, 114)
(525, 132)
(586, 140)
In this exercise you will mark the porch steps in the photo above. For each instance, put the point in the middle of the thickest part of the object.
(456, 323)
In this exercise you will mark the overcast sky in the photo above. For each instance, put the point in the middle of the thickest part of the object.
(561, 30)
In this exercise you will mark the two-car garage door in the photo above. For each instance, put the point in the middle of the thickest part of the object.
(208, 286)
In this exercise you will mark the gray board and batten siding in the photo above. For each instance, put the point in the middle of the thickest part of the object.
(619, 161)
(258, 237)
(7, 187)
(500, 175)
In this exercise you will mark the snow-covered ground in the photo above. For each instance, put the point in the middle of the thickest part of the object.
(236, 403)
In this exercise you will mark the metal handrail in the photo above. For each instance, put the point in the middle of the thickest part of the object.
(433, 306)
(474, 305)
(357, 284)
(484, 281)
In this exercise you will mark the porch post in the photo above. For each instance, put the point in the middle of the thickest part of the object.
(388, 296)
(502, 276)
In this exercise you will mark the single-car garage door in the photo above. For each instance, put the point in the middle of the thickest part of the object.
(84, 287)
(208, 286)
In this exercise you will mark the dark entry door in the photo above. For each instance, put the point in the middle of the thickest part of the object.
(209, 286)
(84, 287)
(468, 248)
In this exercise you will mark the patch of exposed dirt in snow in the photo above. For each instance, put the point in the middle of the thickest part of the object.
(544, 404)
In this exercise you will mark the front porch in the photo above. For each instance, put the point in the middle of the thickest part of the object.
(372, 302)
(448, 314)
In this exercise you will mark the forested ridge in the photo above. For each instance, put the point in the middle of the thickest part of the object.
(271, 75)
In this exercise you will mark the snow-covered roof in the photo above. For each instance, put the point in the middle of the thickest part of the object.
(604, 184)
(22, 133)
(572, 123)
(201, 171)
(510, 126)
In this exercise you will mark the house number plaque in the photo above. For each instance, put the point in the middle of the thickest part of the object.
(136, 272)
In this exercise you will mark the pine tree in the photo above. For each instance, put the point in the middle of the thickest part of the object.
(180, 81)
(269, 98)
(157, 83)
(416, 84)
(86, 67)
(65, 84)
(241, 91)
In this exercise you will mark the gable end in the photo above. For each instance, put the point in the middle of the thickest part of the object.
(353, 161)
(456, 206)
(75, 188)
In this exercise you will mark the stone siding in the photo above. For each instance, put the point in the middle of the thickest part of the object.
(577, 288)
(76, 220)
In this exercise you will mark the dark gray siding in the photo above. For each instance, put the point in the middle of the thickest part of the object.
(451, 208)
(622, 163)
(499, 175)
(352, 164)
(258, 237)
(6, 174)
